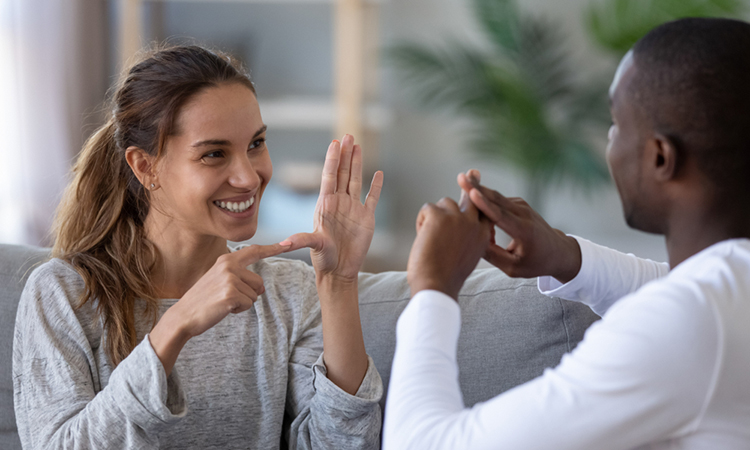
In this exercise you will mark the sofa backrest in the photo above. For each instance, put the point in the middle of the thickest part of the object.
(510, 332)
(16, 263)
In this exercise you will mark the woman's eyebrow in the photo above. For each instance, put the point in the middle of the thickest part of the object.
(224, 142)
(211, 142)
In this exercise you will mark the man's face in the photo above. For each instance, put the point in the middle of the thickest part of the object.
(627, 139)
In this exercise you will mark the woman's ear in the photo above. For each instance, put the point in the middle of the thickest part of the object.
(142, 165)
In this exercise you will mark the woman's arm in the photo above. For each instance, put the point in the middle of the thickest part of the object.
(343, 230)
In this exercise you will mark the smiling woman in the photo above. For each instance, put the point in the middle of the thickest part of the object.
(142, 274)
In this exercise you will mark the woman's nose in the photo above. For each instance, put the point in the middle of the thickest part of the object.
(244, 174)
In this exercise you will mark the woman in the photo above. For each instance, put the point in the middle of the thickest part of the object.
(141, 274)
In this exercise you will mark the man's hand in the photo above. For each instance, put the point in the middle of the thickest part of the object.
(450, 241)
(537, 249)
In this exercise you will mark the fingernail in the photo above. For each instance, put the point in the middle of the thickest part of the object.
(285, 243)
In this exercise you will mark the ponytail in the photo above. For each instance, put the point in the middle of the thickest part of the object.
(99, 231)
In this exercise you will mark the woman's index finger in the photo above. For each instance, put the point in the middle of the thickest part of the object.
(254, 253)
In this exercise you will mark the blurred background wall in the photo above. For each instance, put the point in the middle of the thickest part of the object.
(59, 57)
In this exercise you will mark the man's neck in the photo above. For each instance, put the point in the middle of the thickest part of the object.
(693, 231)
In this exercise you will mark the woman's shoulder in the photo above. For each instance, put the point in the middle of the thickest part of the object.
(55, 275)
(53, 289)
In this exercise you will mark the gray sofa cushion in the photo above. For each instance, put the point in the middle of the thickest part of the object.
(510, 332)
(16, 263)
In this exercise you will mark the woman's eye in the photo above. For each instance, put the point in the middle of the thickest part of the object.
(257, 143)
(213, 155)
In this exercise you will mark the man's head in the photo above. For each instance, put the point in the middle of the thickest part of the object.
(681, 113)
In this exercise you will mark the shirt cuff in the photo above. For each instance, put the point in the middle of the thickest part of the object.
(351, 406)
(143, 391)
(432, 319)
(551, 287)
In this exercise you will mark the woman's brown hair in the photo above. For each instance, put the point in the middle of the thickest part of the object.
(99, 224)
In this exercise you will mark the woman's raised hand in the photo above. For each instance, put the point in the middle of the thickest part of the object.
(343, 225)
(228, 287)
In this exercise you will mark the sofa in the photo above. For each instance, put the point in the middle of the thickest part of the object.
(510, 332)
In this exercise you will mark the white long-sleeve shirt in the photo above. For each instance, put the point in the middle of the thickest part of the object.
(667, 367)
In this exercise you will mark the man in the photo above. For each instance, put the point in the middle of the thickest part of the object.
(668, 366)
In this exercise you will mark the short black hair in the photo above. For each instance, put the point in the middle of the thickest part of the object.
(693, 83)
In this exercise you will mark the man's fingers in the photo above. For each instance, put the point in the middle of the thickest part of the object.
(474, 176)
(330, 169)
(497, 198)
(345, 163)
(463, 200)
(464, 183)
(497, 214)
(254, 253)
(500, 258)
(449, 204)
(355, 181)
(376, 186)
(302, 240)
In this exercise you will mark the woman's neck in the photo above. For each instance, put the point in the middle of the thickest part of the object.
(184, 257)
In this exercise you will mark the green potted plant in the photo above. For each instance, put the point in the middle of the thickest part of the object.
(519, 93)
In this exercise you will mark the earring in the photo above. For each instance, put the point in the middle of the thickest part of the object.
(153, 185)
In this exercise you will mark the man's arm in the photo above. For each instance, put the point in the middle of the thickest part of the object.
(605, 277)
(620, 388)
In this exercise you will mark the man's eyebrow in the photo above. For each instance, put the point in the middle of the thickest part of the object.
(225, 142)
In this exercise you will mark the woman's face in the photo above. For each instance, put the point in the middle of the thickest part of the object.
(215, 166)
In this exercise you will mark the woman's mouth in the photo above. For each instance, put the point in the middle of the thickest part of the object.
(236, 207)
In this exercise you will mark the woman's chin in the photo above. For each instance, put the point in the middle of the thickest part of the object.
(242, 235)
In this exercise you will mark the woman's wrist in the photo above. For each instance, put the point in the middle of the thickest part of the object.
(334, 283)
(167, 338)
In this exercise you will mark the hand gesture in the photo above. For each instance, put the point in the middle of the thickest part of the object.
(228, 287)
(536, 248)
(450, 240)
(343, 225)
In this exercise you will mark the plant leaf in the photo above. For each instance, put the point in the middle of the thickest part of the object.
(617, 25)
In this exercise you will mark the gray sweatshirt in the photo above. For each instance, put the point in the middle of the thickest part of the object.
(256, 380)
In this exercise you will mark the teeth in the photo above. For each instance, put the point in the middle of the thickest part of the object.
(236, 207)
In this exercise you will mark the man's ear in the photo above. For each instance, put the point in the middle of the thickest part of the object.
(142, 165)
(662, 157)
